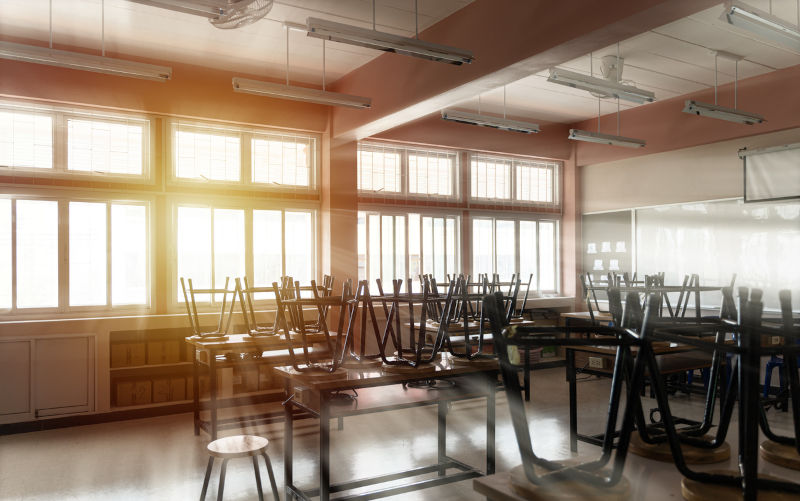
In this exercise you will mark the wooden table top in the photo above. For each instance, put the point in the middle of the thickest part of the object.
(584, 315)
(373, 376)
(248, 342)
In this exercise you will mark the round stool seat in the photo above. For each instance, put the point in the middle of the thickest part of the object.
(238, 446)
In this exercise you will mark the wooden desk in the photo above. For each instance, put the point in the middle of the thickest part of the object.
(209, 351)
(379, 392)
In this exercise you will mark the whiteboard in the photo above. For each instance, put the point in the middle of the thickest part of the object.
(760, 242)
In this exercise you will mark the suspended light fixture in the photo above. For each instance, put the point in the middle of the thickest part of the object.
(387, 42)
(501, 123)
(597, 137)
(296, 93)
(764, 24)
(85, 62)
(721, 112)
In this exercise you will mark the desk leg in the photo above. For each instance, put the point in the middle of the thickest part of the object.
(324, 447)
(526, 375)
(212, 390)
(442, 434)
(196, 391)
(491, 389)
(573, 401)
(288, 441)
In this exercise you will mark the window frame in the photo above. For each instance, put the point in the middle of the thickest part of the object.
(63, 308)
(60, 140)
(405, 151)
(514, 163)
(246, 136)
(517, 219)
(173, 289)
(394, 212)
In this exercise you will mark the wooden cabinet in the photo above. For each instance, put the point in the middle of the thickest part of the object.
(49, 376)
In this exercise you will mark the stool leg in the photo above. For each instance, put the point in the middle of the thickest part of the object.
(258, 478)
(222, 479)
(208, 476)
(271, 477)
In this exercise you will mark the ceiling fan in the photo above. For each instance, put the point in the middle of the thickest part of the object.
(224, 14)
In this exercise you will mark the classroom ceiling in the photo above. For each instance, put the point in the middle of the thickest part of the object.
(671, 60)
(257, 49)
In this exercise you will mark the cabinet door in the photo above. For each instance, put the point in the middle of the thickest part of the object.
(64, 375)
(15, 378)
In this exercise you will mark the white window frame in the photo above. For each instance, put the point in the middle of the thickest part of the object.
(404, 152)
(60, 117)
(405, 213)
(517, 218)
(63, 199)
(514, 162)
(173, 289)
(245, 135)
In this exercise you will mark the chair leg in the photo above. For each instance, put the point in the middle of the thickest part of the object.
(258, 478)
(208, 476)
(271, 477)
(222, 479)
(767, 379)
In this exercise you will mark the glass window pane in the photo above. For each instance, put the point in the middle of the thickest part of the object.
(200, 155)
(128, 254)
(506, 249)
(5, 253)
(26, 140)
(547, 255)
(194, 248)
(450, 244)
(374, 248)
(490, 178)
(379, 170)
(431, 173)
(414, 261)
(37, 253)
(87, 254)
(282, 160)
(527, 251)
(482, 245)
(438, 249)
(387, 249)
(400, 248)
(427, 246)
(362, 246)
(228, 247)
(101, 146)
(300, 246)
(267, 249)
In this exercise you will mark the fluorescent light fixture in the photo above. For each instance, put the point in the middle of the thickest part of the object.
(763, 24)
(282, 91)
(596, 137)
(721, 112)
(363, 37)
(606, 88)
(205, 8)
(85, 62)
(488, 121)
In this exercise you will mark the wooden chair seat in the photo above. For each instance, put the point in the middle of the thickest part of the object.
(238, 446)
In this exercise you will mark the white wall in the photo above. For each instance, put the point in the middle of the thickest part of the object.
(708, 172)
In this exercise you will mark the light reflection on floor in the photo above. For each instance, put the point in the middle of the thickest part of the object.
(161, 459)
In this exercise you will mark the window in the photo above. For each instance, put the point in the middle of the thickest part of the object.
(106, 254)
(407, 172)
(522, 247)
(26, 140)
(106, 146)
(212, 156)
(243, 156)
(395, 246)
(215, 243)
(68, 142)
(515, 180)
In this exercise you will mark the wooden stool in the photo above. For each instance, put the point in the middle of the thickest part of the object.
(239, 446)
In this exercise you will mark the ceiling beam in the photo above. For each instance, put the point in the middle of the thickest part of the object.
(510, 39)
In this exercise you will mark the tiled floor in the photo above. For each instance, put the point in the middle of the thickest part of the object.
(161, 459)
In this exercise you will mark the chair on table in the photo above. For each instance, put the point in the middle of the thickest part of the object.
(246, 300)
(225, 315)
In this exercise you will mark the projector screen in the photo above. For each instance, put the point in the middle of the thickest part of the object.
(759, 242)
(772, 173)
